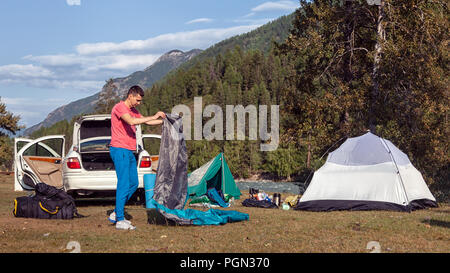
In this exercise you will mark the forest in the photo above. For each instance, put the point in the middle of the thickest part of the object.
(346, 67)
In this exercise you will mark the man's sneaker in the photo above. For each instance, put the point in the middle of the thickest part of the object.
(125, 224)
(112, 218)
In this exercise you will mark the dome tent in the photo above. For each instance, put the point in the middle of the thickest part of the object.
(367, 173)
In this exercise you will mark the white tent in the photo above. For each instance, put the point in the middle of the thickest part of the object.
(367, 173)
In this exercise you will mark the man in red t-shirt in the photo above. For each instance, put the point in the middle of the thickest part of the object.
(124, 118)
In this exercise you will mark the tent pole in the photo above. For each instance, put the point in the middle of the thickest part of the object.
(398, 171)
(223, 173)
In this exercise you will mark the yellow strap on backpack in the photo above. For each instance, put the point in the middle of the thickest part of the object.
(15, 207)
(44, 209)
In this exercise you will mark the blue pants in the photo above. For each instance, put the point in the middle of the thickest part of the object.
(127, 178)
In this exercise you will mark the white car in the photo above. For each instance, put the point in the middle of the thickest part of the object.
(87, 168)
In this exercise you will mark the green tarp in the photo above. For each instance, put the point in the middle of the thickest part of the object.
(214, 174)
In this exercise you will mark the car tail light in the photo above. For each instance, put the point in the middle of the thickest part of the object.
(145, 162)
(73, 163)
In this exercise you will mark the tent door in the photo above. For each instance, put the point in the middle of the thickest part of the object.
(215, 182)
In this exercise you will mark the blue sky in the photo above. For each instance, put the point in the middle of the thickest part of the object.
(56, 51)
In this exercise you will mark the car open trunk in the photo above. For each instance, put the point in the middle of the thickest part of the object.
(98, 161)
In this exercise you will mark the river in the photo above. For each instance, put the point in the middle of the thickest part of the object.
(280, 187)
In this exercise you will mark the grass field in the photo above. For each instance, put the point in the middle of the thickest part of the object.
(267, 231)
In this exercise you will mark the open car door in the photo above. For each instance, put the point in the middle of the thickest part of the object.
(19, 142)
(38, 161)
(151, 144)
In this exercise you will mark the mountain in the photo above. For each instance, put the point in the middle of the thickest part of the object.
(145, 79)
(153, 73)
(261, 39)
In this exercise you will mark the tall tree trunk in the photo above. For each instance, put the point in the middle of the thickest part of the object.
(308, 160)
(381, 36)
(348, 29)
(349, 34)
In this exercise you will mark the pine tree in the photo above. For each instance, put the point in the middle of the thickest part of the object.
(328, 49)
(9, 123)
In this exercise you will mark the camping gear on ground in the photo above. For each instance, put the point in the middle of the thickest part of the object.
(258, 199)
(251, 202)
(258, 195)
(253, 193)
(214, 174)
(263, 196)
(47, 202)
(171, 184)
(277, 199)
(292, 200)
(286, 206)
(205, 201)
(214, 196)
(367, 173)
(149, 184)
(200, 200)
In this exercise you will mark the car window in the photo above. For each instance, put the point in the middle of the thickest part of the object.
(151, 145)
(46, 148)
(20, 144)
(99, 145)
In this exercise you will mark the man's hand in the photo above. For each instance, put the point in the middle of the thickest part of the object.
(155, 119)
(160, 115)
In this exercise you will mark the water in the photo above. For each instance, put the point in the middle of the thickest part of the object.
(281, 187)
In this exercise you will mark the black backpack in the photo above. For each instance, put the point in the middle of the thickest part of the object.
(47, 202)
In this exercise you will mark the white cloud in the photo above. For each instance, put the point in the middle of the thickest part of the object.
(199, 20)
(127, 62)
(31, 101)
(14, 71)
(180, 40)
(73, 2)
(93, 63)
(279, 5)
(82, 86)
(251, 14)
(56, 60)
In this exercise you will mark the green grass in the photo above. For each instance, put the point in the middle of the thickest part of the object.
(267, 231)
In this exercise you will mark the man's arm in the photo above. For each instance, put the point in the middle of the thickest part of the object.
(152, 120)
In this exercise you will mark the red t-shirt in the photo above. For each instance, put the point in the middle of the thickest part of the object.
(123, 135)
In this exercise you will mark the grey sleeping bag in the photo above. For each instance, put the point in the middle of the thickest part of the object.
(171, 177)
